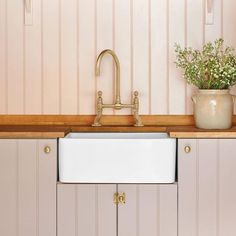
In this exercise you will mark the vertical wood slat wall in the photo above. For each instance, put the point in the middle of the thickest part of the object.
(28, 188)
(48, 67)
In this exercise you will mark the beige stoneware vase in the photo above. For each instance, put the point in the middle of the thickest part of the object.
(213, 109)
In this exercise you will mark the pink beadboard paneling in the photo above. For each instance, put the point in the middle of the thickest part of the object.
(187, 166)
(127, 212)
(51, 57)
(48, 67)
(66, 209)
(140, 55)
(149, 210)
(176, 35)
(33, 72)
(207, 190)
(3, 56)
(15, 57)
(194, 37)
(122, 32)
(47, 177)
(105, 40)
(8, 185)
(106, 210)
(213, 31)
(168, 215)
(159, 56)
(207, 194)
(86, 56)
(68, 57)
(228, 27)
(28, 188)
(86, 209)
(226, 187)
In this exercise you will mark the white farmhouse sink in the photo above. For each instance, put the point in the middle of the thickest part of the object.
(117, 158)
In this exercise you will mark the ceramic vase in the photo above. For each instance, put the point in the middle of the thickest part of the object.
(213, 109)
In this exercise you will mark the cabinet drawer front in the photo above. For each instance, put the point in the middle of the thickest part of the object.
(86, 209)
(28, 187)
(207, 193)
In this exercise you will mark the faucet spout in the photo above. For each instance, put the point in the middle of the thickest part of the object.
(117, 74)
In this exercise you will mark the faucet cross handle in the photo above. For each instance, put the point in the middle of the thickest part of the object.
(99, 108)
(136, 94)
(99, 94)
(138, 121)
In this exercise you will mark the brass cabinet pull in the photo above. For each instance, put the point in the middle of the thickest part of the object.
(119, 198)
(47, 149)
(187, 149)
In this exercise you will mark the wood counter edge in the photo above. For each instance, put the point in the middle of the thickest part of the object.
(58, 126)
(31, 135)
(173, 131)
(208, 134)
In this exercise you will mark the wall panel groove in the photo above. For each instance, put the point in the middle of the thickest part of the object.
(167, 57)
(15, 57)
(131, 48)
(42, 59)
(3, 56)
(33, 62)
(77, 56)
(48, 67)
(60, 54)
(69, 34)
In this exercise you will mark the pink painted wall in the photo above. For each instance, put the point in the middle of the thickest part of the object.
(48, 67)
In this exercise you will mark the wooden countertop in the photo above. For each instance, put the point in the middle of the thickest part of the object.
(59, 126)
(32, 131)
(193, 132)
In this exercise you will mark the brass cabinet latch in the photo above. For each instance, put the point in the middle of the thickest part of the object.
(119, 198)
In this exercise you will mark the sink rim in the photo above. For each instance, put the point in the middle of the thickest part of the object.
(117, 135)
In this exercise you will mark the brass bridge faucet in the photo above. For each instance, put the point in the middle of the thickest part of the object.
(117, 105)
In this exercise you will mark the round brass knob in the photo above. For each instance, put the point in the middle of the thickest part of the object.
(187, 149)
(47, 149)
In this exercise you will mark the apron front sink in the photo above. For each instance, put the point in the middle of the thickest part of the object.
(117, 158)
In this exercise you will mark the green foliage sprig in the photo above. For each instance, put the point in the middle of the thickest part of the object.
(212, 68)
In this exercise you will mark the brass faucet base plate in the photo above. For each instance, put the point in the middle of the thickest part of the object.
(96, 125)
(138, 125)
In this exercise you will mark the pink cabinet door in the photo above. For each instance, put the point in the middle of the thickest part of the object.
(149, 210)
(89, 210)
(28, 187)
(207, 187)
(86, 210)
